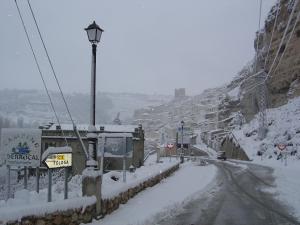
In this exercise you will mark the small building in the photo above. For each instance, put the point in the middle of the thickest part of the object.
(56, 136)
(180, 93)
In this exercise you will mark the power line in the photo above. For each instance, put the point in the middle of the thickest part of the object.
(274, 26)
(39, 69)
(50, 62)
(58, 84)
(288, 41)
(282, 39)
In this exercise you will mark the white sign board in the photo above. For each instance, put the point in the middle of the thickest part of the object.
(21, 147)
(116, 144)
(60, 160)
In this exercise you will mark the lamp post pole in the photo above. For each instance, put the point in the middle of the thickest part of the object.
(92, 135)
(94, 33)
(182, 136)
(182, 154)
(91, 184)
(93, 87)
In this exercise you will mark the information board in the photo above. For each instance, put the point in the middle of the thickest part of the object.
(21, 147)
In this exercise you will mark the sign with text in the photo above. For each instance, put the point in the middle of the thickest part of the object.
(115, 145)
(21, 147)
(59, 160)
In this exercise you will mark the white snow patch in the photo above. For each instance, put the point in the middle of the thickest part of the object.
(112, 188)
(234, 93)
(203, 147)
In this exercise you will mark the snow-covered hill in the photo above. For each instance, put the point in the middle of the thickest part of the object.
(29, 108)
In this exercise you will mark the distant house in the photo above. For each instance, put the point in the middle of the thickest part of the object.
(180, 93)
(52, 135)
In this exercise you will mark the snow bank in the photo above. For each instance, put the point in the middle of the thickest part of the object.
(27, 203)
(111, 188)
(163, 199)
(288, 184)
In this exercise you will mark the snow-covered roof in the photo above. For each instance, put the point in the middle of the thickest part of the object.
(108, 128)
(115, 135)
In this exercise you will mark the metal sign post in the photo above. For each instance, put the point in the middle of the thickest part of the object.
(285, 158)
(66, 183)
(37, 173)
(102, 155)
(25, 177)
(57, 157)
(49, 185)
(8, 182)
(22, 147)
(124, 161)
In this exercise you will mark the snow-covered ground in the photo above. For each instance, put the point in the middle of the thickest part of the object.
(164, 199)
(111, 188)
(27, 202)
(288, 184)
(284, 128)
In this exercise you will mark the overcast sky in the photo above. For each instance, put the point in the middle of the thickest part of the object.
(149, 46)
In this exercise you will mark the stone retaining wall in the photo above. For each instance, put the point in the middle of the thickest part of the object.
(86, 215)
(69, 217)
(233, 151)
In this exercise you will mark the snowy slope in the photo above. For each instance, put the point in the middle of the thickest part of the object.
(284, 128)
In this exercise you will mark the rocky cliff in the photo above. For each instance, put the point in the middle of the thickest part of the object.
(278, 54)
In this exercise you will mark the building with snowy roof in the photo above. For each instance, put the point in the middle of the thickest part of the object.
(54, 135)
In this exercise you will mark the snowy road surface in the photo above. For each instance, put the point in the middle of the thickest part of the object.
(240, 197)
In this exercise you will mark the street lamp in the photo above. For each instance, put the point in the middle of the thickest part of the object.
(94, 33)
(182, 124)
(182, 154)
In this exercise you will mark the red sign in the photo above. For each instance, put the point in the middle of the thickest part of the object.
(281, 146)
(170, 145)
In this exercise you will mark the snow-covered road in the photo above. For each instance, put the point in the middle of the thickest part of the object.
(165, 199)
(241, 197)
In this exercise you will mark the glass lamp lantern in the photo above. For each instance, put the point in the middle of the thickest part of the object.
(94, 33)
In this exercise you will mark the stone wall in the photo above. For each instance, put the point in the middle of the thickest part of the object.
(70, 217)
(86, 215)
(233, 150)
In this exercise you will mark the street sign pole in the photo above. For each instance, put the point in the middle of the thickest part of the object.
(66, 183)
(124, 161)
(57, 157)
(37, 179)
(102, 156)
(8, 182)
(25, 177)
(285, 158)
(49, 185)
